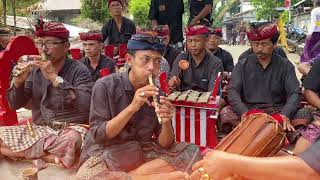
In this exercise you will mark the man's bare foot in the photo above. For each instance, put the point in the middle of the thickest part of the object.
(40, 164)
(52, 159)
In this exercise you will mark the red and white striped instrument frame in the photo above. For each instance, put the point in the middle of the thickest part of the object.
(196, 122)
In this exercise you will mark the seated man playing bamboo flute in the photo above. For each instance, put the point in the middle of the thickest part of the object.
(201, 67)
(60, 91)
(266, 82)
(123, 122)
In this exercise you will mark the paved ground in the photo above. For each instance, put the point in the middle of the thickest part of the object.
(11, 170)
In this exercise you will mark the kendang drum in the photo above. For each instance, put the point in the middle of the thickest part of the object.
(258, 135)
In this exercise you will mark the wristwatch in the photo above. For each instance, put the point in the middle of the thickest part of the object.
(57, 81)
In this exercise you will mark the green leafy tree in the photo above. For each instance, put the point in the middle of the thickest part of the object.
(22, 6)
(17, 7)
(96, 10)
(139, 9)
(231, 5)
(265, 9)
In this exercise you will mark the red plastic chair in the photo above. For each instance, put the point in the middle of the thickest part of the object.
(75, 53)
(17, 47)
(108, 51)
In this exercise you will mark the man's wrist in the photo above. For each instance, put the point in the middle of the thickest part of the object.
(196, 19)
(132, 109)
(166, 124)
(16, 83)
(284, 117)
(53, 78)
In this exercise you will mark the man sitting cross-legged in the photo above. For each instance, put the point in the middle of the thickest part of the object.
(60, 91)
(265, 82)
(123, 122)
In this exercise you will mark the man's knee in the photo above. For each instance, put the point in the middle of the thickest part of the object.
(95, 168)
(302, 118)
(229, 119)
(73, 137)
(68, 141)
(304, 68)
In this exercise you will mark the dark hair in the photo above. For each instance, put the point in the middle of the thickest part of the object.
(275, 38)
(256, 25)
(132, 52)
(4, 30)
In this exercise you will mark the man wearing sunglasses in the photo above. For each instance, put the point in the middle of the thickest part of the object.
(59, 90)
(94, 60)
(119, 29)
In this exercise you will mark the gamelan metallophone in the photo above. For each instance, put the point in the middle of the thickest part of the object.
(195, 115)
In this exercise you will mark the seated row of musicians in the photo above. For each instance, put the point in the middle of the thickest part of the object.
(278, 91)
(277, 94)
(97, 62)
(264, 80)
(307, 146)
(121, 117)
(60, 90)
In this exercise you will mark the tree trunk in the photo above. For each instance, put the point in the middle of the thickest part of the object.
(13, 4)
(4, 11)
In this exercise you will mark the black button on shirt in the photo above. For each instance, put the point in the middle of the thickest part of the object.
(226, 59)
(104, 62)
(276, 85)
(169, 12)
(111, 34)
(197, 77)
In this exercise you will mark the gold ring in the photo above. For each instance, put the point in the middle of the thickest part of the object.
(206, 176)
